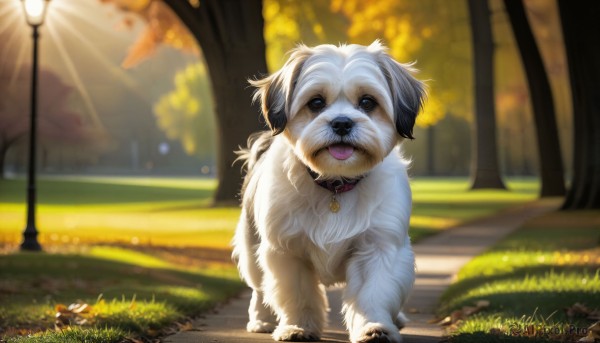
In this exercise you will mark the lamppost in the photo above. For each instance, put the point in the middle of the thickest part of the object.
(35, 12)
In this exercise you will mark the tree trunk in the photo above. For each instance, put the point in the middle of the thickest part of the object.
(431, 150)
(484, 164)
(3, 152)
(581, 29)
(230, 33)
(551, 164)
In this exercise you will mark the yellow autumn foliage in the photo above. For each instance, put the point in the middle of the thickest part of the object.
(186, 113)
(412, 31)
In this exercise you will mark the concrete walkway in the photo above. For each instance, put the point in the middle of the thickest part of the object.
(439, 258)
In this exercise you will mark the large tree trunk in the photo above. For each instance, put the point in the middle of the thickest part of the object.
(551, 164)
(581, 31)
(484, 164)
(230, 33)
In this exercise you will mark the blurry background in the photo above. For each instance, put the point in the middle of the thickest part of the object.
(124, 89)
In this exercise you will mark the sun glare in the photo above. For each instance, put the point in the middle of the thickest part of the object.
(35, 11)
(59, 32)
(34, 8)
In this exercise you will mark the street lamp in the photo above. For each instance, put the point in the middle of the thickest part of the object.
(35, 12)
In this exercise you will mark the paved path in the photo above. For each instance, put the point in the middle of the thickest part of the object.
(438, 259)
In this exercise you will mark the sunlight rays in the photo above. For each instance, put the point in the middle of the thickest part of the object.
(8, 7)
(11, 17)
(68, 8)
(63, 24)
(113, 68)
(79, 85)
(7, 24)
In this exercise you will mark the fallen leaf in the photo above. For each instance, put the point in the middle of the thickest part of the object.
(496, 331)
(188, 326)
(152, 332)
(469, 310)
(482, 304)
(79, 308)
(593, 334)
(463, 313)
(456, 315)
(579, 310)
(76, 313)
(133, 304)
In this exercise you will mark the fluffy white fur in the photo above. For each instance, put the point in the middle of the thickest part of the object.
(288, 243)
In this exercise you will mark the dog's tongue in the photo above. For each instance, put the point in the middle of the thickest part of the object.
(341, 151)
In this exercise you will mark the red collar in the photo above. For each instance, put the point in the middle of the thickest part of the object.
(335, 186)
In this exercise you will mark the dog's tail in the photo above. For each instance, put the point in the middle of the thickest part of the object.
(258, 143)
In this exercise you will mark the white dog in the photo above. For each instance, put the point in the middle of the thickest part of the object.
(326, 198)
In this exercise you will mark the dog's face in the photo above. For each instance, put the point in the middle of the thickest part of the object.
(342, 109)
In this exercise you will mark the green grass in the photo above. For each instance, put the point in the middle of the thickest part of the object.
(128, 238)
(145, 211)
(439, 203)
(530, 278)
(130, 293)
(74, 335)
(174, 212)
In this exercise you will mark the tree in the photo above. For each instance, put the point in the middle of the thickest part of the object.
(550, 156)
(581, 29)
(163, 27)
(484, 166)
(230, 33)
(186, 113)
(57, 124)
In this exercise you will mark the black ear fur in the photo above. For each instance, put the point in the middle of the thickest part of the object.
(408, 93)
(275, 91)
(273, 106)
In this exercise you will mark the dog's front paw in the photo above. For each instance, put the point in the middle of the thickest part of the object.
(293, 333)
(258, 326)
(377, 333)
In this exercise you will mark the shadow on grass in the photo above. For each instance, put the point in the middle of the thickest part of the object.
(530, 279)
(61, 192)
(482, 337)
(32, 284)
(461, 210)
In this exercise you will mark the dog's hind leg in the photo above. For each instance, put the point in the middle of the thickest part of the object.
(261, 317)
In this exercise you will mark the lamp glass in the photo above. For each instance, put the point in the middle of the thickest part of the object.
(35, 11)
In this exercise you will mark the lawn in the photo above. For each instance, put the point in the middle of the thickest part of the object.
(137, 211)
(174, 212)
(542, 283)
(440, 203)
(123, 294)
(145, 253)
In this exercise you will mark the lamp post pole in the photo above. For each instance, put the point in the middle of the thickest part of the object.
(30, 241)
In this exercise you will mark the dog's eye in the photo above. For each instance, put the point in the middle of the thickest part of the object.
(316, 104)
(367, 103)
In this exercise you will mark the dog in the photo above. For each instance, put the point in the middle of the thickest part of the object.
(326, 198)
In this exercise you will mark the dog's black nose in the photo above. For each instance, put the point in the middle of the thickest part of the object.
(342, 125)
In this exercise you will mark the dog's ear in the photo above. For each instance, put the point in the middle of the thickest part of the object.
(408, 93)
(275, 91)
